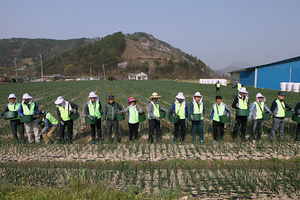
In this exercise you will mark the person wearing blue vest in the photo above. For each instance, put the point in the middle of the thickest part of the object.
(13, 105)
(197, 107)
(29, 107)
(278, 109)
(92, 110)
(110, 114)
(219, 108)
(64, 109)
(241, 102)
(50, 129)
(133, 111)
(256, 112)
(154, 117)
(180, 109)
(297, 112)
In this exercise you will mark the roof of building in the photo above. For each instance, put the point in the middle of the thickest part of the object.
(265, 65)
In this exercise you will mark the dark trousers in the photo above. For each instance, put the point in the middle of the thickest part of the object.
(199, 125)
(298, 132)
(256, 123)
(181, 124)
(217, 89)
(69, 125)
(93, 130)
(216, 126)
(14, 126)
(154, 124)
(240, 120)
(133, 130)
(112, 125)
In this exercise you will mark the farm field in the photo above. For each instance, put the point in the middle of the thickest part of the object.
(165, 170)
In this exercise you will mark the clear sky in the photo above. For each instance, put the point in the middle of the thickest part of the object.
(219, 32)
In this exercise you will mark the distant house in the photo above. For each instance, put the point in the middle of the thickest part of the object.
(137, 76)
(20, 79)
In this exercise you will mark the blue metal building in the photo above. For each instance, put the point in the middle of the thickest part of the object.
(269, 75)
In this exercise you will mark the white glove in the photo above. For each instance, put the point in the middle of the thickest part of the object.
(192, 117)
(228, 115)
(157, 118)
(174, 115)
(75, 111)
(201, 114)
(210, 121)
(293, 110)
(62, 123)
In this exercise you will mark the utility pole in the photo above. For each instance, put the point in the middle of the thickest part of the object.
(104, 71)
(149, 74)
(90, 71)
(16, 66)
(42, 74)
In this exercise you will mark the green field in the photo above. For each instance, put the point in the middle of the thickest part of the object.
(139, 170)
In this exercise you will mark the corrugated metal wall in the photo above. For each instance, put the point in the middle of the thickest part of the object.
(247, 78)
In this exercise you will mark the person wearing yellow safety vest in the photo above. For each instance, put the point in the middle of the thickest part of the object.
(133, 111)
(13, 105)
(92, 110)
(154, 117)
(238, 86)
(297, 112)
(278, 109)
(241, 102)
(256, 112)
(180, 109)
(218, 85)
(197, 107)
(50, 129)
(29, 107)
(219, 108)
(64, 109)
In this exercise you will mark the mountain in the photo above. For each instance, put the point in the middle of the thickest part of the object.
(232, 67)
(121, 54)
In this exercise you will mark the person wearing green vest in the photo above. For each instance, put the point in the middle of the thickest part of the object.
(218, 85)
(110, 114)
(278, 109)
(219, 108)
(154, 117)
(240, 102)
(29, 107)
(256, 112)
(50, 129)
(180, 109)
(238, 86)
(133, 111)
(92, 110)
(64, 109)
(197, 107)
(13, 105)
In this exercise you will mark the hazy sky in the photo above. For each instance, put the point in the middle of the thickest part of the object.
(219, 32)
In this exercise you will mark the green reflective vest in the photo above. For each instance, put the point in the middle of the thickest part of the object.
(198, 108)
(259, 109)
(94, 110)
(51, 119)
(134, 114)
(14, 107)
(243, 103)
(28, 111)
(64, 112)
(156, 110)
(281, 108)
(218, 84)
(239, 86)
(180, 109)
(218, 110)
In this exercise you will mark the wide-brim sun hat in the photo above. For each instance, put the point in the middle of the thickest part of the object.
(259, 95)
(59, 100)
(197, 94)
(26, 96)
(131, 99)
(154, 95)
(243, 90)
(92, 94)
(12, 96)
(180, 96)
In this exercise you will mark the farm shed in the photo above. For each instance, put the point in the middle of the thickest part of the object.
(269, 75)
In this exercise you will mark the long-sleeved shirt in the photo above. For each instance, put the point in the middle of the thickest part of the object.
(20, 111)
(151, 109)
(110, 111)
(213, 110)
(235, 102)
(274, 107)
(192, 108)
(253, 108)
(87, 112)
(172, 109)
(48, 125)
(297, 109)
(74, 106)
(127, 110)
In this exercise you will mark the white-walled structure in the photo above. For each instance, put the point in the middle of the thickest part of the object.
(213, 81)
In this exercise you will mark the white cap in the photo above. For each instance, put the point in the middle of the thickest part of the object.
(59, 100)
(180, 96)
(26, 96)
